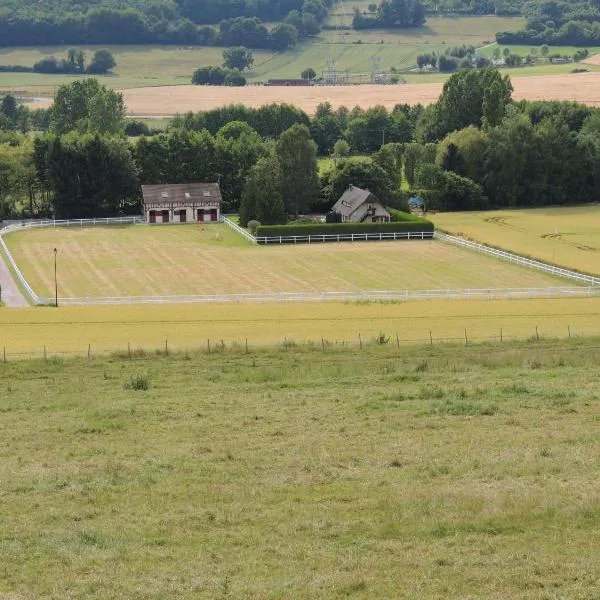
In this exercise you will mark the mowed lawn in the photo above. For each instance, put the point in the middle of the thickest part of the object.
(428, 473)
(566, 236)
(192, 259)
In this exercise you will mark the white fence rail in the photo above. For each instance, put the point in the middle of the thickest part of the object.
(344, 237)
(521, 260)
(33, 297)
(70, 223)
(239, 229)
(371, 296)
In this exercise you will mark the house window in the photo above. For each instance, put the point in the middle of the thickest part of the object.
(164, 194)
(206, 194)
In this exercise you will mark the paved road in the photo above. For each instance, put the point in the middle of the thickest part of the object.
(11, 295)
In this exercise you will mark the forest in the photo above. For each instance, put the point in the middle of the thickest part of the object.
(208, 22)
(475, 148)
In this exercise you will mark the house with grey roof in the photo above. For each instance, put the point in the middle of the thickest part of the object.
(181, 202)
(360, 206)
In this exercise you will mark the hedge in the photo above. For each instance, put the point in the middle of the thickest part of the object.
(343, 228)
(403, 217)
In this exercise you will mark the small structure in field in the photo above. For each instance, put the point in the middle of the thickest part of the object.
(181, 202)
(290, 82)
(360, 206)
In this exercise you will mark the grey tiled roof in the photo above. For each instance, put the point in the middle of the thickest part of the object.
(181, 193)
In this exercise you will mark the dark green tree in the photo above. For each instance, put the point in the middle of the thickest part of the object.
(102, 62)
(297, 155)
(262, 199)
(237, 58)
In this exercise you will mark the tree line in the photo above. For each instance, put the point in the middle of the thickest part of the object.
(573, 23)
(475, 148)
(226, 23)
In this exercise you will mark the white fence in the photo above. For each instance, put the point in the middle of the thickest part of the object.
(344, 237)
(238, 229)
(357, 296)
(31, 224)
(521, 260)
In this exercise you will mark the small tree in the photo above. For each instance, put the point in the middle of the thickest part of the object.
(506, 52)
(545, 50)
(308, 73)
(237, 58)
(102, 62)
(341, 149)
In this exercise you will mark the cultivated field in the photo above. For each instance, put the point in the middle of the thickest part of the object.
(193, 259)
(569, 237)
(70, 330)
(423, 472)
(164, 101)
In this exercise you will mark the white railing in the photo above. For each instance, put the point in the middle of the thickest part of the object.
(356, 296)
(31, 224)
(344, 237)
(33, 297)
(70, 223)
(521, 260)
(238, 229)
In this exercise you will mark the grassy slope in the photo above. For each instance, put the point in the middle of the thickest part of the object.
(532, 232)
(432, 472)
(141, 66)
(190, 259)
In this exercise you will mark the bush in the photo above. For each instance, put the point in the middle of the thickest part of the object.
(333, 217)
(344, 228)
(253, 225)
(140, 381)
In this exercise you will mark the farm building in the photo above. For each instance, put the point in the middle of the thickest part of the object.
(360, 206)
(181, 202)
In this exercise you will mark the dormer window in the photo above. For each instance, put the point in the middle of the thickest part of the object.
(206, 194)
(187, 195)
(164, 194)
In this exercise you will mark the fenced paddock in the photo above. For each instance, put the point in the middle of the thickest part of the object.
(213, 263)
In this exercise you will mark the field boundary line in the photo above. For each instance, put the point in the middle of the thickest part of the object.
(517, 259)
(357, 296)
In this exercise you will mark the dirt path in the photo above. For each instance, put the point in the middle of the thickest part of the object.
(11, 295)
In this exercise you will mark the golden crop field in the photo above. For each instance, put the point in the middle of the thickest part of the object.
(190, 259)
(566, 236)
(26, 331)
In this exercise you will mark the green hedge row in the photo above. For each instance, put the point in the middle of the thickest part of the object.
(335, 228)
(403, 217)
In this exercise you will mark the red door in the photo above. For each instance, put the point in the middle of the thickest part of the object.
(152, 217)
(165, 216)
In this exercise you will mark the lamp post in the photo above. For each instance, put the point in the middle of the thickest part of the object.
(55, 281)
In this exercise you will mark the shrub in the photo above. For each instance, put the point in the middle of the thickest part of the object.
(253, 225)
(333, 217)
(344, 228)
(140, 381)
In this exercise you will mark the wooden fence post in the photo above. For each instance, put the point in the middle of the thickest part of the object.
(397, 340)
(89, 351)
(246, 345)
(537, 335)
(166, 347)
(569, 330)
(466, 338)
(208, 345)
(44, 351)
(323, 343)
(430, 338)
(128, 349)
(500, 334)
(360, 341)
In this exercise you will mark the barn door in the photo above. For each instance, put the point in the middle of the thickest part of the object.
(165, 216)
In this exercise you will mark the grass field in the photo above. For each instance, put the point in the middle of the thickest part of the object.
(145, 66)
(190, 259)
(569, 237)
(423, 472)
(25, 332)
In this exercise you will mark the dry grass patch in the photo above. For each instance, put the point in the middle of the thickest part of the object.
(192, 259)
(566, 236)
(109, 328)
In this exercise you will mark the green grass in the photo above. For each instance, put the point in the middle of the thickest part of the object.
(525, 50)
(142, 66)
(193, 259)
(444, 472)
(566, 236)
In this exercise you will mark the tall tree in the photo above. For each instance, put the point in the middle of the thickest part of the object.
(261, 198)
(297, 155)
(88, 107)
